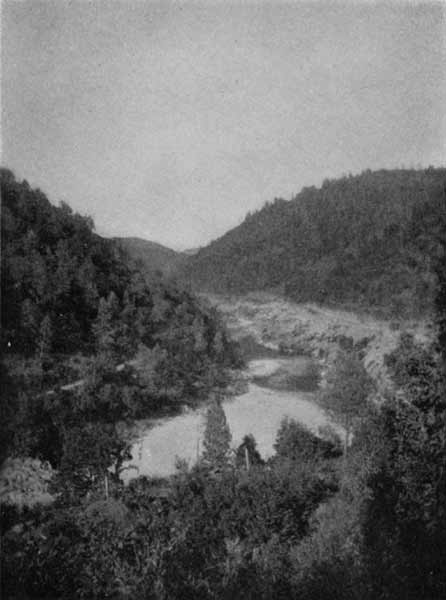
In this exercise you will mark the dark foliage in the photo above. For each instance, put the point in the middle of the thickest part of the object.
(405, 528)
(247, 455)
(213, 536)
(297, 443)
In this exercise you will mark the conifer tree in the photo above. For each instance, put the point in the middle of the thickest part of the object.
(103, 327)
(217, 436)
(45, 337)
(348, 387)
(29, 324)
(247, 454)
(217, 344)
(198, 334)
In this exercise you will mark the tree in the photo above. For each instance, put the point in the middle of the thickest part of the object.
(198, 333)
(405, 525)
(45, 337)
(296, 442)
(217, 344)
(440, 271)
(247, 454)
(104, 328)
(346, 393)
(217, 436)
(29, 325)
(88, 453)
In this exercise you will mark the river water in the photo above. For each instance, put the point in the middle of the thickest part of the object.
(258, 411)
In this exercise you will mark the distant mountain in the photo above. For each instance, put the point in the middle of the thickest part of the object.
(151, 256)
(191, 251)
(367, 240)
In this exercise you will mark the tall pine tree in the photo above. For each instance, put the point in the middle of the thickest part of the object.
(45, 337)
(217, 436)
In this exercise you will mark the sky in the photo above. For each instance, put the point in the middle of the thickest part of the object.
(170, 121)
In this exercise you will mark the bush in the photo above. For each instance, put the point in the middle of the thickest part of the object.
(296, 442)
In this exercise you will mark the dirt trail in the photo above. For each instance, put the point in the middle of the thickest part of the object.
(75, 384)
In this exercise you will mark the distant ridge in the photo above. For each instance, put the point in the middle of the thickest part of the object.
(368, 240)
(192, 251)
(151, 256)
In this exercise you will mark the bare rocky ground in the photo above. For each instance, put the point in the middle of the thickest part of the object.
(308, 329)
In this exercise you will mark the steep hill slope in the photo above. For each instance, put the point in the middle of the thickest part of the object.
(151, 256)
(66, 290)
(365, 240)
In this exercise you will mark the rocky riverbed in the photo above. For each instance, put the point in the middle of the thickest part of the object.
(308, 329)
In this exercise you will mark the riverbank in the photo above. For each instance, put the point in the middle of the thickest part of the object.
(307, 329)
(298, 373)
(273, 388)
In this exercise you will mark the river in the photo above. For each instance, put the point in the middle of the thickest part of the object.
(278, 386)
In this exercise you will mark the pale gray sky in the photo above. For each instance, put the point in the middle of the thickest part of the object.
(170, 121)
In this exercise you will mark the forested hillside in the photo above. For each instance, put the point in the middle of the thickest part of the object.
(58, 274)
(152, 258)
(73, 308)
(367, 240)
(54, 269)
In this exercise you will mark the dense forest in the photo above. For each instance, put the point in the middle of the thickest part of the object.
(367, 240)
(358, 518)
